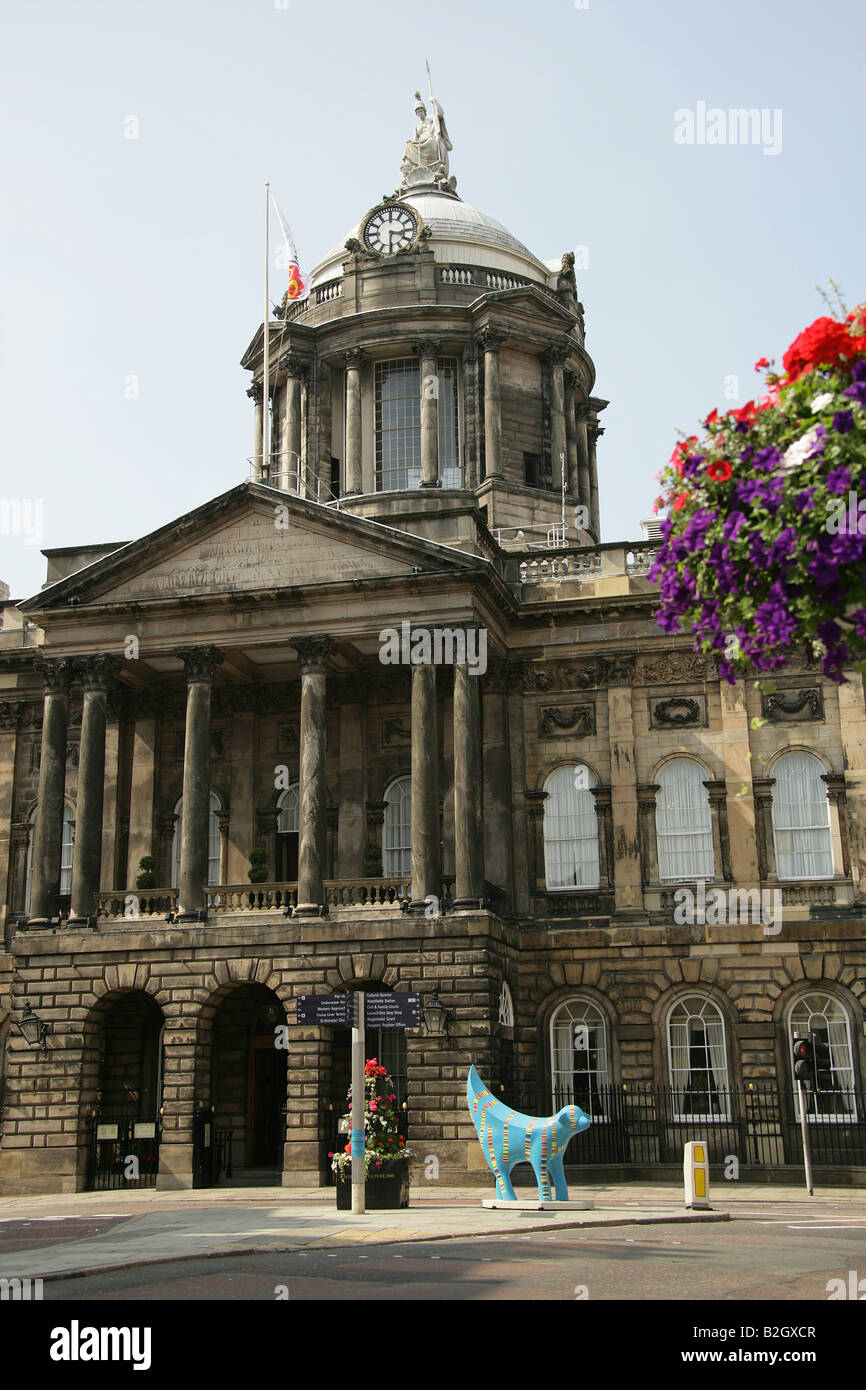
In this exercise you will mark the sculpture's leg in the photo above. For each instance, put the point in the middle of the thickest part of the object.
(559, 1184)
(505, 1190)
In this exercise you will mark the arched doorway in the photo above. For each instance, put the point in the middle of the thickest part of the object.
(387, 1045)
(248, 1085)
(121, 1091)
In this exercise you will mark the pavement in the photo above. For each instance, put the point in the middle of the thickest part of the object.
(57, 1236)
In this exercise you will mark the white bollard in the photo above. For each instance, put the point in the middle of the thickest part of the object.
(696, 1175)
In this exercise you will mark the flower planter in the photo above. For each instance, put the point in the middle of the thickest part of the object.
(386, 1190)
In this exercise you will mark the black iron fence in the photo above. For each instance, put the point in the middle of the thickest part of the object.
(757, 1125)
(123, 1152)
(211, 1149)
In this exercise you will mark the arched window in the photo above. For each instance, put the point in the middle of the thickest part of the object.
(397, 843)
(213, 841)
(825, 1019)
(287, 835)
(697, 1058)
(570, 829)
(684, 829)
(578, 1057)
(801, 818)
(287, 823)
(66, 844)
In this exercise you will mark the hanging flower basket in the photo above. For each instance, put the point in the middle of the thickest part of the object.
(764, 543)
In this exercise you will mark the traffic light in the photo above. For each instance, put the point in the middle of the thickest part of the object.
(804, 1060)
(823, 1064)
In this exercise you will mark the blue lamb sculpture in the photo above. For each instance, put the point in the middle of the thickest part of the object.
(507, 1137)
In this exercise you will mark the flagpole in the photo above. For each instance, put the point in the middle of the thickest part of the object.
(266, 360)
(433, 103)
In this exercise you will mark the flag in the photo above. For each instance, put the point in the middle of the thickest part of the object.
(298, 287)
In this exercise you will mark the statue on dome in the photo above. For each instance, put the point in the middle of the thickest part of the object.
(425, 156)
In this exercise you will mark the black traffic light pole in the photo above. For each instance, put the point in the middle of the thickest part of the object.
(804, 1070)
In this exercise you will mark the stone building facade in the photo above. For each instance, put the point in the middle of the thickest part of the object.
(510, 824)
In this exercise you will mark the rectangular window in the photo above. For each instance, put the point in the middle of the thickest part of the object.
(398, 424)
(532, 470)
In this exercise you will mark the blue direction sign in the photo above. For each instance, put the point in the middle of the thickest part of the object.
(328, 1009)
(392, 1010)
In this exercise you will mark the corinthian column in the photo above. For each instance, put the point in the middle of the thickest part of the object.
(200, 663)
(48, 832)
(255, 393)
(87, 850)
(428, 353)
(490, 343)
(570, 382)
(425, 795)
(313, 793)
(353, 420)
(468, 826)
(555, 358)
(290, 462)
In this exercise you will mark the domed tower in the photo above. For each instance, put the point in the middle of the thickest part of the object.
(436, 376)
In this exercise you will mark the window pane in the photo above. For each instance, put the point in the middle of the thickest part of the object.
(683, 825)
(570, 830)
(801, 818)
(397, 857)
(579, 1057)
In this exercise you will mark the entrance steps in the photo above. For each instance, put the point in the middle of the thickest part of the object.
(253, 1177)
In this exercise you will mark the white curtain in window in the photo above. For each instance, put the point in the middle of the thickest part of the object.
(570, 829)
(288, 809)
(213, 842)
(824, 1016)
(698, 1057)
(683, 824)
(66, 845)
(397, 857)
(801, 818)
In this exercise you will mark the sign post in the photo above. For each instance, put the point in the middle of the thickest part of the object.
(358, 1109)
(398, 1010)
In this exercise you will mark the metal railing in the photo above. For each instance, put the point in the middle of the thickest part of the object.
(114, 1141)
(649, 1124)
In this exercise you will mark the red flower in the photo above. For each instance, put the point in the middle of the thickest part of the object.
(720, 471)
(681, 501)
(745, 413)
(823, 342)
(711, 418)
(761, 363)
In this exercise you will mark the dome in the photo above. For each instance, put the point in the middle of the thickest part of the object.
(460, 235)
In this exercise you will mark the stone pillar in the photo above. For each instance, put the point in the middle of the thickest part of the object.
(490, 343)
(425, 789)
(602, 798)
(468, 827)
(313, 794)
(852, 717)
(535, 858)
(48, 832)
(290, 460)
(555, 359)
(94, 672)
(242, 836)
(428, 353)
(584, 485)
(572, 483)
(200, 663)
(594, 431)
(649, 846)
(142, 788)
(351, 840)
(738, 776)
(353, 420)
(498, 856)
(717, 793)
(628, 898)
(762, 788)
(840, 839)
(255, 392)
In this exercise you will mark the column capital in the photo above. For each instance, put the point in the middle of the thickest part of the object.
(200, 662)
(353, 357)
(835, 786)
(535, 804)
(762, 790)
(94, 672)
(570, 379)
(311, 652)
(55, 675)
(294, 365)
(427, 347)
(255, 392)
(556, 354)
(717, 789)
(490, 340)
(646, 794)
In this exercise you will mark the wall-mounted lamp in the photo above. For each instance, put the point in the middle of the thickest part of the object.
(435, 1014)
(32, 1029)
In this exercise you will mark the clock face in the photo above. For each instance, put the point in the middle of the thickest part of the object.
(390, 229)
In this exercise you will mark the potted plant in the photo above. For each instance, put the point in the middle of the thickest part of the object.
(146, 877)
(764, 543)
(386, 1154)
(258, 870)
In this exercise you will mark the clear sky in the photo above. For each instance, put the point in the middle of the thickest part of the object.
(131, 268)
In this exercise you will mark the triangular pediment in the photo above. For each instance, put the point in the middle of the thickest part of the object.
(252, 539)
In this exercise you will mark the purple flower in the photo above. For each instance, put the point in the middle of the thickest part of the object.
(843, 421)
(859, 621)
(823, 570)
(857, 392)
(804, 499)
(839, 480)
(732, 525)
